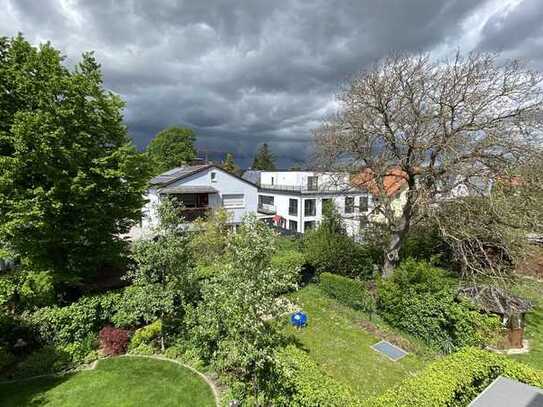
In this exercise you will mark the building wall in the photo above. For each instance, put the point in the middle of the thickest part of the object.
(225, 184)
(299, 178)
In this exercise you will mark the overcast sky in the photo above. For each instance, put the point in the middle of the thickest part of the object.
(246, 72)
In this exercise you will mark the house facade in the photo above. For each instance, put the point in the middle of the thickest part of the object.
(200, 189)
(295, 200)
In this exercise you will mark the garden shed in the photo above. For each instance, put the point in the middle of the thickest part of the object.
(509, 307)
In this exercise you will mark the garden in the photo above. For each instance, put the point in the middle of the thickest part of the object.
(194, 314)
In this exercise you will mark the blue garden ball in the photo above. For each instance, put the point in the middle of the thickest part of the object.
(298, 319)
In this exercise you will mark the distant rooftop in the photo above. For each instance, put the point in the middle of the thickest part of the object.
(176, 173)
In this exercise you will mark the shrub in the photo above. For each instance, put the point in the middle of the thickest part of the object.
(424, 242)
(420, 299)
(300, 382)
(45, 360)
(347, 291)
(329, 249)
(36, 289)
(113, 341)
(79, 351)
(146, 335)
(75, 322)
(6, 358)
(455, 380)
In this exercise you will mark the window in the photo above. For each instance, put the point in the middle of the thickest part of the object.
(265, 200)
(364, 203)
(272, 180)
(313, 183)
(213, 176)
(309, 207)
(293, 225)
(309, 225)
(293, 207)
(233, 200)
(349, 204)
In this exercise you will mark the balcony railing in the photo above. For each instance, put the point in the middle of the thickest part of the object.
(267, 209)
(192, 214)
(306, 188)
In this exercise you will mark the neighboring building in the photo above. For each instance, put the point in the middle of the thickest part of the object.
(200, 189)
(294, 200)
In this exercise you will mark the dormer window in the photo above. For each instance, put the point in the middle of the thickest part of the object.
(213, 176)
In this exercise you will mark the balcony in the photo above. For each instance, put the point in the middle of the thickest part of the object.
(192, 214)
(307, 188)
(267, 209)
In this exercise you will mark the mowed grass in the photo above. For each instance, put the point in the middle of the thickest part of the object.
(336, 341)
(532, 290)
(115, 382)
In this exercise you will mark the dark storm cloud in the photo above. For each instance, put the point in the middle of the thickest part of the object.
(245, 72)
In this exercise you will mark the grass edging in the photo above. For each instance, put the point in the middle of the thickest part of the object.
(214, 389)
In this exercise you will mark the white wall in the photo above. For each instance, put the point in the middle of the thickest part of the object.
(299, 178)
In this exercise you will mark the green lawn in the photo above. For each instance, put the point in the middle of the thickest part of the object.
(341, 347)
(532, 290)
(115, 382)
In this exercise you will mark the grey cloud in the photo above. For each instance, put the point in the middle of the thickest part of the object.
(240, 73)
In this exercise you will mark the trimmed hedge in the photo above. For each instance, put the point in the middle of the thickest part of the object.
(455, 380)
(347, 291)
(300, 383)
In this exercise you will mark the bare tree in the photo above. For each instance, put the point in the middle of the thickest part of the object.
(438, 125)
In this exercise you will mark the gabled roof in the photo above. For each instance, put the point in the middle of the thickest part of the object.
(178, 173)
(496, 300)
(392, 182)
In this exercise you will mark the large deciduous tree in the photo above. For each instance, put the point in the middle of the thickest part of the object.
(170, 148)
(264, 159)
(71, 182)
(440, 126)
(230, 165)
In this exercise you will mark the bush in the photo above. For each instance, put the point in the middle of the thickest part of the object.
(6, 358)
(455, 380)
(146, 335)
(300, 382)
(347, 291)
(36, 289)
(420, 299)
(114, 341)
(46, 360)
(75, 322)
(329, 249)
(424, 242)
(81, 351)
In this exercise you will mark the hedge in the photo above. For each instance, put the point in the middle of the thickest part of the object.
(300, 383)
(455, 380)
(347, 291)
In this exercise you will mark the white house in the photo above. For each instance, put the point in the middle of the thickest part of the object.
(201, 189)
(294, 200)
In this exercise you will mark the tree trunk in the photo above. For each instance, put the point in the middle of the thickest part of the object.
(392, 252)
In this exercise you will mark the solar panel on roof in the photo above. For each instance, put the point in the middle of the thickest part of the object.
(391, 351)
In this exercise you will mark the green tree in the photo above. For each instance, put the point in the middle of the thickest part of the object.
(71, 182)
(170, 148)
(264, 159)
(230, 165)
(234, 325)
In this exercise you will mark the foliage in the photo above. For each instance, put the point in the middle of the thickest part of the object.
(329, 249)
(264, 159)
(230, 165)
(456, 380)
(146, 335)
(75, 322)
(170, 148)
(300, 382)
(347, 291)
(71, 182)
(113, 341)
(233, 326)
(162, 274)
(424, 242)
(420, 300)
(45, 360)
(6, 358)
(36, 289)
(209, 244)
